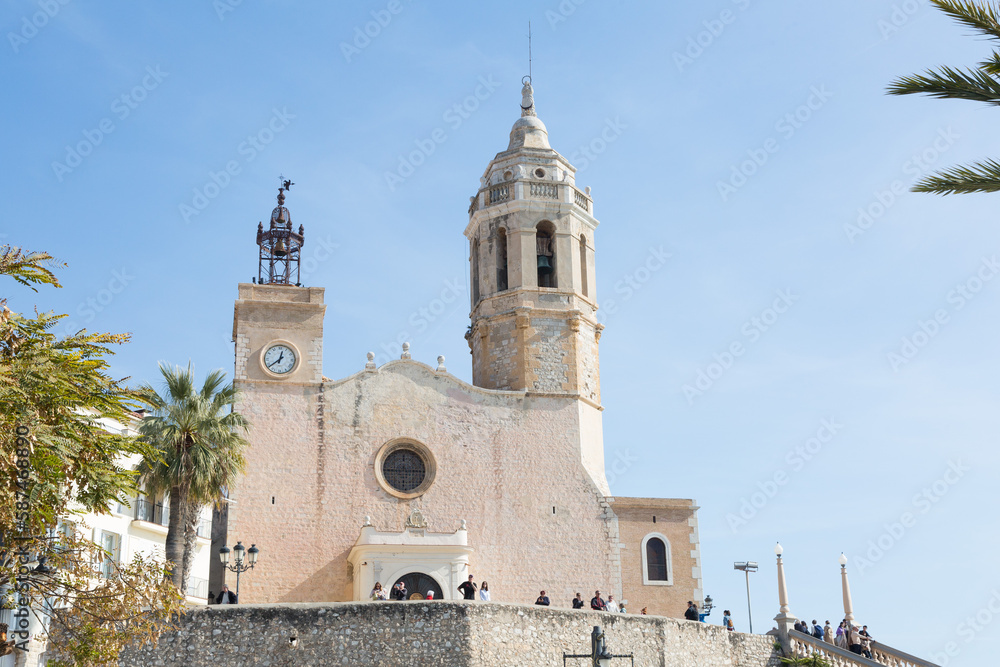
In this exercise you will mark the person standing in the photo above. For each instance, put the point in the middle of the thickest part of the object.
(644, 611)
(484, 592)
(841, 638)
(692, 612)
(597, 603)
(226, 596)
(468, 589)
(866, 643)
(828, 633)
(543, 599)
(578, 601)
(854, 640)
(402, 591)
(817, 630)
(727, 621)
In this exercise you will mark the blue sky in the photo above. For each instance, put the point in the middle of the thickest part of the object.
(751, 141)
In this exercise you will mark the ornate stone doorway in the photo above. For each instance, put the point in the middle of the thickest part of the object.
(418, 584)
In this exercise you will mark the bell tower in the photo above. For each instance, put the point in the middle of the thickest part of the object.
(531, 254)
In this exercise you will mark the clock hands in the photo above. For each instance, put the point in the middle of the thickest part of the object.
(277, 361)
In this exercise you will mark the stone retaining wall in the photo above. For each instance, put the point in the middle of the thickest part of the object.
(407, 634)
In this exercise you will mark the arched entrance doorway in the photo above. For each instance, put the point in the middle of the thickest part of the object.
(417, 584)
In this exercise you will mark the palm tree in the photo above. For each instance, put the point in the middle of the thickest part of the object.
(199, 451)
(981, 84)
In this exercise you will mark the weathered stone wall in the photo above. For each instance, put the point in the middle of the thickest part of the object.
(404, 634)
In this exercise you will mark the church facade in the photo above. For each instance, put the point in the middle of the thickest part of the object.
(404, 472)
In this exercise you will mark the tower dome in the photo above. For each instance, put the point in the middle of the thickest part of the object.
(528, 131)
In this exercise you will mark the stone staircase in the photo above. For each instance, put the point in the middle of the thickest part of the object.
(803, 646)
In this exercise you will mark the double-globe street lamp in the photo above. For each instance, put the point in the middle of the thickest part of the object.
(240, 563)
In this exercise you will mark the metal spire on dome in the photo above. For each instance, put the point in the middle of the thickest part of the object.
(527, 93)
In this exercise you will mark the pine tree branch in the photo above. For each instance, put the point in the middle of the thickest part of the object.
(978, 177)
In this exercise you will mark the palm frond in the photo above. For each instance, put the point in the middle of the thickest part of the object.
(980, 16)
(978, 177)
(948, 83)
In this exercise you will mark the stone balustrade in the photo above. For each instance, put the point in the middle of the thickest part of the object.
(804, 645)
(543, 190)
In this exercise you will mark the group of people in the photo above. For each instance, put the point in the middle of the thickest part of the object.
(597, 603)
(468, 589)
(398, 592)
(847, 635)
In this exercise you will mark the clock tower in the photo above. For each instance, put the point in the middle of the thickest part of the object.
(278, 331)
(278, 323)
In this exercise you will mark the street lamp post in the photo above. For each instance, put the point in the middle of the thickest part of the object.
(848, 607)
(241, 563)
(600, 655)
(747, 567)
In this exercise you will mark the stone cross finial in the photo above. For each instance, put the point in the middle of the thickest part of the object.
(371, 361)
(406, 351)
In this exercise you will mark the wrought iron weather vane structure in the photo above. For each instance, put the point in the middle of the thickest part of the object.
(280, 247)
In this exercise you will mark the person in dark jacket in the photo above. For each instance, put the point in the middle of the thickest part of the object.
(578, 601)
(597, 603)
(543, 599)
(226, 596)
(692, 612)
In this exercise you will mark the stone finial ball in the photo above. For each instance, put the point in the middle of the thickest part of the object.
(371, 356)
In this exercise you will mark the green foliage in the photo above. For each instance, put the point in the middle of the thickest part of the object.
(814, 660)
(198, 448)
(28, 268)
(980, 84)
(56, 460)
(59, 390)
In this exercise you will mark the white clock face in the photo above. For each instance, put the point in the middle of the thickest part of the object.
(279, 359)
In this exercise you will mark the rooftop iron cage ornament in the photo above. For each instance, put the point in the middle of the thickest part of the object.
(280, 247)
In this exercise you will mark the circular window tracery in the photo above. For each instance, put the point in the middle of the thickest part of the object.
(405, 468)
